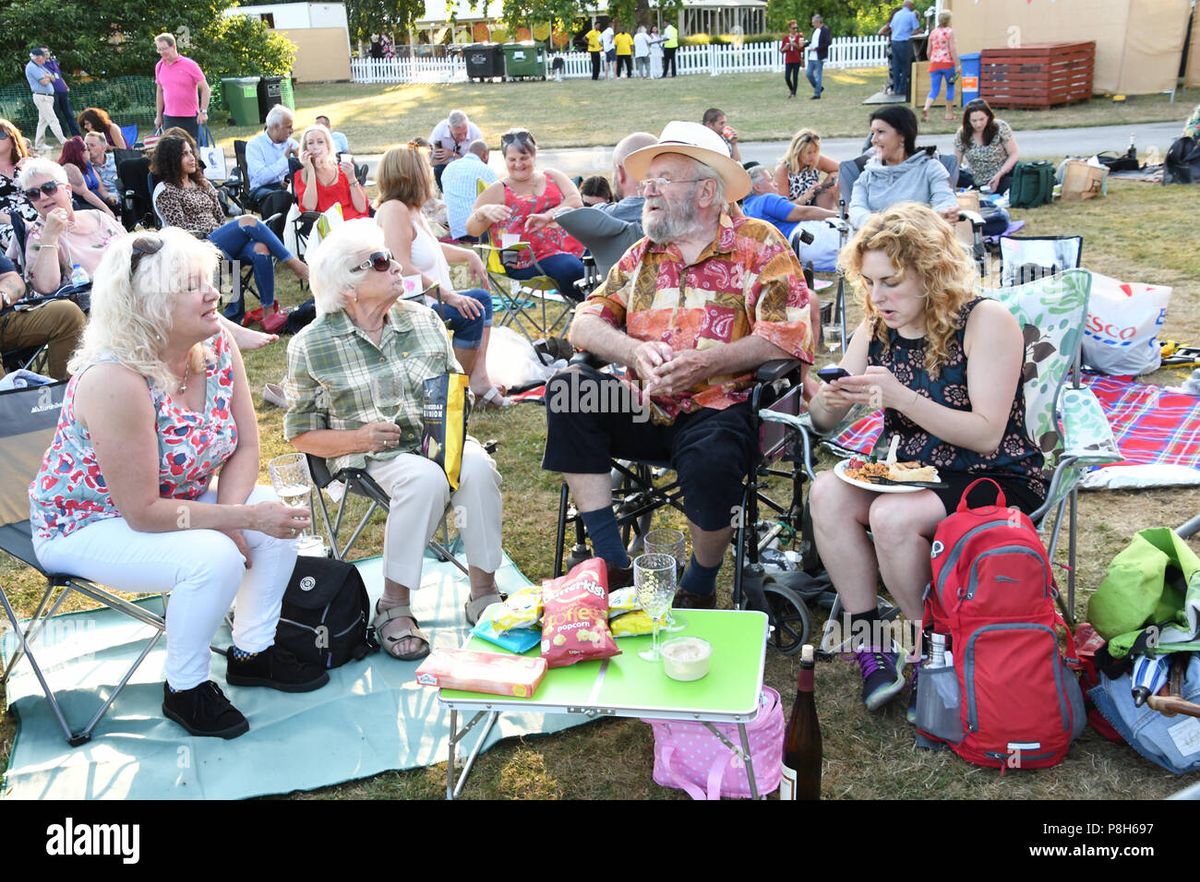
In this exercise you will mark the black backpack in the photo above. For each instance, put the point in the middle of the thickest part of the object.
(1032, 185)
(326, 616)
(1182, 165)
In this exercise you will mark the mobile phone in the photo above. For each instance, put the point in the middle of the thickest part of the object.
(832, 372)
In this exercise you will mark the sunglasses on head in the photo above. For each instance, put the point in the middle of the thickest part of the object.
(520, 136)
(142, 246)
(47, 189)
(380, 261)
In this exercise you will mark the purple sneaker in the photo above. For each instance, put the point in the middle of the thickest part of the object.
(881, 681)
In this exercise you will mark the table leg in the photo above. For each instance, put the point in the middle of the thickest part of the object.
(453, 788)
(749, 761)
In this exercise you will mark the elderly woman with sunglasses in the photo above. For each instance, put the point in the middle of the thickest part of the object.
(158, 405)
(525, 203)
(354, 391)
(61, 236)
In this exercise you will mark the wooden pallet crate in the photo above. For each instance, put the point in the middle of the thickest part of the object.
(1038, 75)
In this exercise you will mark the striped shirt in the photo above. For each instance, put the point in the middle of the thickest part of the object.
(460, 187)
(747, 281)
(338, 378)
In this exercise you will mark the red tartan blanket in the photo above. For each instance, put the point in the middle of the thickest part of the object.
(1152, 426)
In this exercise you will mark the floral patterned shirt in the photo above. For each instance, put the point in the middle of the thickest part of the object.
(13, 201)
(70, 492)
(985, 160)
(747, 281)
(1016, 456)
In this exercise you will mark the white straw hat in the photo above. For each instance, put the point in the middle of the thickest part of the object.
(700, 143)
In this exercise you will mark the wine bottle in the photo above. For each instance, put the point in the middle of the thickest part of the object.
(802, 741)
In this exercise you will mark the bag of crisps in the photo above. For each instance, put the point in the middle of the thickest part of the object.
(575, 616)
(444, 422)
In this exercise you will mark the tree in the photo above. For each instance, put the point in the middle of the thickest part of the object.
(107, 38)
(398, 17)
(847, 18)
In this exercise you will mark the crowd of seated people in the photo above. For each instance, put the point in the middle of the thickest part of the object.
(708, 294)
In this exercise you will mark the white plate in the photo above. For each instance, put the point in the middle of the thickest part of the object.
(840, 471)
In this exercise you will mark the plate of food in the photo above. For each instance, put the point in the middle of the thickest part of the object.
(884, 477)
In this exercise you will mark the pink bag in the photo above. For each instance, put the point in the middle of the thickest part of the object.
(688, 756)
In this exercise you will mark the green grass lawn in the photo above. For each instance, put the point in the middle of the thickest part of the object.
(582, 113)
(1140, 232)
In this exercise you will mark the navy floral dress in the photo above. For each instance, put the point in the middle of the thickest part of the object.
(1016, 464)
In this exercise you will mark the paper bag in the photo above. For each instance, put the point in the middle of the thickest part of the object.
(1083, 181)
(213, 157)
(444, 422)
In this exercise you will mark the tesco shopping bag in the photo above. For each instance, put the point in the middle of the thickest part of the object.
(1124, 318)
(213, 157)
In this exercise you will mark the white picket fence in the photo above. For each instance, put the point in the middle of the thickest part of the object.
(713, 60)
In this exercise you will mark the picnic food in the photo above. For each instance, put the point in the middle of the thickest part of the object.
(869, 472)
(521, 609)
(575, 616)
(686, 658)
(912, 471)
(490, 672)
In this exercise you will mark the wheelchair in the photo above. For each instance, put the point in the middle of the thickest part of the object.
(772, 507)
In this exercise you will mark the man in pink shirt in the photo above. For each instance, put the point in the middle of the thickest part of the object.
(176, 78)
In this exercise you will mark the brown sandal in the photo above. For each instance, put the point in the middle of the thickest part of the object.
(390, 640)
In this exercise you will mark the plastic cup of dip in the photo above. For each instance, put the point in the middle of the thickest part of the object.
(686, 658)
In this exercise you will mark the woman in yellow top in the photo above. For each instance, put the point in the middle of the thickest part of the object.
(595, 50)
(623, 40)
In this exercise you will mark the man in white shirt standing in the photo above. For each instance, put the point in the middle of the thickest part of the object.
(449, 140)
(460, 186)
(607, 42)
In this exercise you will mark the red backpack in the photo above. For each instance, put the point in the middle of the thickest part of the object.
(1007, 700)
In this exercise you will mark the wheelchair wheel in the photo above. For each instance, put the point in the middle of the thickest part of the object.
(789, 616)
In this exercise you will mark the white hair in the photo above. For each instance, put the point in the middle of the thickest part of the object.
(38, 167)
(707, 172)
(130, 317)
(457, 118)
(277, 114)
(641, 29)
(331, 264)
(758, 173)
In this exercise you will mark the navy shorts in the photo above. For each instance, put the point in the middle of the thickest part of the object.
(589, 422)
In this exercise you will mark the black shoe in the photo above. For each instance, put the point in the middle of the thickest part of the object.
(618, 577)
(815, 98)
(691, 600)
(276, 668)
(204, 710)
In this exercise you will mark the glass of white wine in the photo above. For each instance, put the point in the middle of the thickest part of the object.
(665, 540)
(654, 578)
(293, 484)
(831, 333)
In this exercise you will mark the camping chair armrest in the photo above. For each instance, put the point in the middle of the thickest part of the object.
(364, 483)
(974, 217)
(770, 371)
(1087, 435)
(588, 359)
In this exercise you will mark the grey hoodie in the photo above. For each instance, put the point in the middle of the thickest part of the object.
(920, 178)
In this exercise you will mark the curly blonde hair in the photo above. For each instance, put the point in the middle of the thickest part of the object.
(916, 239)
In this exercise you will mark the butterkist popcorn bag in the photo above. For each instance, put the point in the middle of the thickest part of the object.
(575, 616)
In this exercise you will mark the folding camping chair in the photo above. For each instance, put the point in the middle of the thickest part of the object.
(356, 482)
(1062, 416)
(1027, 258)
(27, 420)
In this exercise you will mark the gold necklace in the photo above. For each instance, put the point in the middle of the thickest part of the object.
(187, 370)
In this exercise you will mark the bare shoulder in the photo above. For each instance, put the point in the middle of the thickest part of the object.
(113, 391)
(991, 320)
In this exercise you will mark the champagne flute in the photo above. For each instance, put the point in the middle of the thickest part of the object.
(293, 483)
(654, 578)
(665, 540)
(831, 333)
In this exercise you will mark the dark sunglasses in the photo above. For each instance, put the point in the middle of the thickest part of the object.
(517, 136)
(47, 189)
(142, 246)
(380, 261)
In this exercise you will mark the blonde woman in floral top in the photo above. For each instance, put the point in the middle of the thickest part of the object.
(158, 405)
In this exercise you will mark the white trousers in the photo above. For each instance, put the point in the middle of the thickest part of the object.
(203, 570)
(419, 495)
(46, 117)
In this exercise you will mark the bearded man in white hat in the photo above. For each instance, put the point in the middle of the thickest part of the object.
(692, 310)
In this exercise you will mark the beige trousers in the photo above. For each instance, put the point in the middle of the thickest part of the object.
(419, 494)
(46, 117)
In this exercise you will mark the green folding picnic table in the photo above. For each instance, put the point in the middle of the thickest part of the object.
(628, 686)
